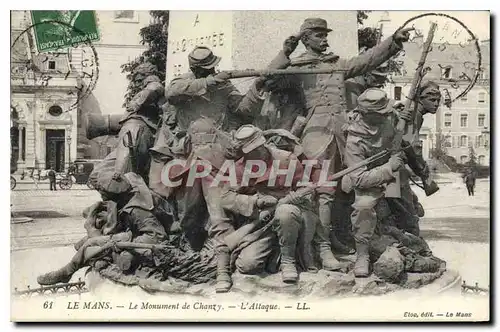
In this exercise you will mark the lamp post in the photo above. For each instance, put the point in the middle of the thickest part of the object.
(68, 138)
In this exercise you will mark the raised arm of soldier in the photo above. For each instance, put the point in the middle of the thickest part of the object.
(375, 56)
(202, 78)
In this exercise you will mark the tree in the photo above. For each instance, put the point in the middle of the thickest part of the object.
(362, 15)
(440, 151)
(155, 36)
(368, 37)
(472, 157)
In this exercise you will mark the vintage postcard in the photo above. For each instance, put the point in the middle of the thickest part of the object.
(192, 166)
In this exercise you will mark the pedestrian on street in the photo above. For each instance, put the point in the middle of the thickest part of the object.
(470, 182)
(52, 179)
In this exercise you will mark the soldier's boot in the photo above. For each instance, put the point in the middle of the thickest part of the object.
(362, 265)
(289, 273)
(287, 227)
(325, 217)
(62, 275)
(328, 260)
(224, 281)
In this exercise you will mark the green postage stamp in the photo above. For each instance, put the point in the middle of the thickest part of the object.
(56, 29)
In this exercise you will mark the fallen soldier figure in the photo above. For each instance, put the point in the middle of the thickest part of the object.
(129, 207)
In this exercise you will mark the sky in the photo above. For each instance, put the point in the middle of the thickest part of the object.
(477, 21)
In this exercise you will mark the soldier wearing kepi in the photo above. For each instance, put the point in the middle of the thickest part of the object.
(325, 95)
(369, 132)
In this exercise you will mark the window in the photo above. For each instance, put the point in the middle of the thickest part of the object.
(481, 98)
(52, 65)
(55, 110)
(79, 168)
(479, 141)
(447, 120)
(463, 141)
(463, 99)
(463, 120)
(447, 142)
(446, 72)
(480, 120)
(397, 92)
(481, 159)
(109, 149)
(125, 16)
(463, 159)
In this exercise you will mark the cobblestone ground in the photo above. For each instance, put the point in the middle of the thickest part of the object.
(456, 227)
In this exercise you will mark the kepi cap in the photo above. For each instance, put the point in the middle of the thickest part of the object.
(314, 24)
(249, 138)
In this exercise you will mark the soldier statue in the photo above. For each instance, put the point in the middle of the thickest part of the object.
(137, 132)
(324, 96)
(294, 220)
(370, 131)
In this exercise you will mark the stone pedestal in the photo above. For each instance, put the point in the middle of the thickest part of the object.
(249, 39)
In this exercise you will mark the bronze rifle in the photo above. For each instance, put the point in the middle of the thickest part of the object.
(394, 188)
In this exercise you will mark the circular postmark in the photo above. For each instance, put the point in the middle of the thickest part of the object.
(74, 50)
(454, 59)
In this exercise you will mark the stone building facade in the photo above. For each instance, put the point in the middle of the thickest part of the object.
(47, 110)
(120, 42)
(43, 131)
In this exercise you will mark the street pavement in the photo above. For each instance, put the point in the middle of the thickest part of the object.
(456, 227)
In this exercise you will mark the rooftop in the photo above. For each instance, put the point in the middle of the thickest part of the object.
(462, 58)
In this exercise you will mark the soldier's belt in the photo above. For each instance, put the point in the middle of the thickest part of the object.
(324, 109)
(201, 138)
